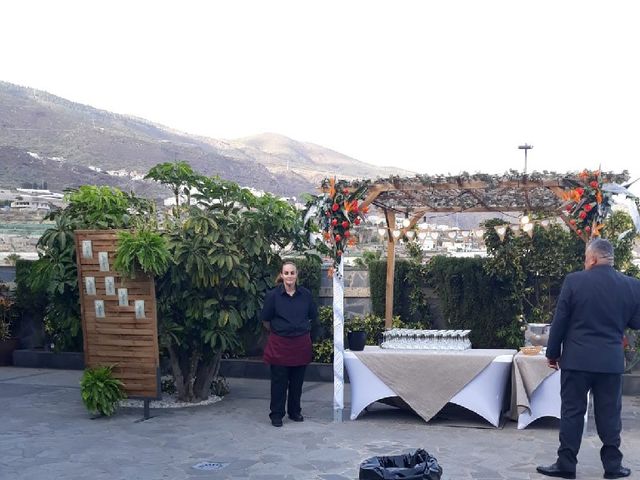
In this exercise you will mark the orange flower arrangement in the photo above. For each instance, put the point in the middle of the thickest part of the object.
(338, 212)
(587, 205)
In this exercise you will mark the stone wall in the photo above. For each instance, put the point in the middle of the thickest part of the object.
(357, 295)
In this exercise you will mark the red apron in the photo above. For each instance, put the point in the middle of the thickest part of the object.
(288, 351)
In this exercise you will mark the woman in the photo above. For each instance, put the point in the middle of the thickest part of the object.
(287, 314)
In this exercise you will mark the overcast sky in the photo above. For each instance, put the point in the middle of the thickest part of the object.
(433, 87)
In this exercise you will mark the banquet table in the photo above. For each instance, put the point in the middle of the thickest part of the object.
(426, 380)
(535, 389)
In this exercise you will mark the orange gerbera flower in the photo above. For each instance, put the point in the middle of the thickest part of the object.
(596, 230)
(575, 195)
(599, 196)
(348, 206)
(332, 187)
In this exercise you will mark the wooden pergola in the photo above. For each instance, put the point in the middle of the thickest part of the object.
(414, 197)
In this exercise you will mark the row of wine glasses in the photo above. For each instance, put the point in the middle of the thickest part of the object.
(406, 338)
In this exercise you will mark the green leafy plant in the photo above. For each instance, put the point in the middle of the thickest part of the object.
(226, 246)
(323, 351)
(7, 312)
(356, 324)
(101, 391)
(409, 299)
(142, 250)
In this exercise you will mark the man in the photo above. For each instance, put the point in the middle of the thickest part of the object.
(594, 308)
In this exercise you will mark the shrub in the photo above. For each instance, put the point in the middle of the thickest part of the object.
(323, 351)
(409, 301)
(142, 250)
(471, 299)
(100, 391)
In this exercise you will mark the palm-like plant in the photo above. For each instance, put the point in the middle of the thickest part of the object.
(101, 391)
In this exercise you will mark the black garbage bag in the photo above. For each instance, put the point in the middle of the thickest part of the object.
(418, 465)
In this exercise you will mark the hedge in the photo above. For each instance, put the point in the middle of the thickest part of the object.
(471, 299)
(408, 283)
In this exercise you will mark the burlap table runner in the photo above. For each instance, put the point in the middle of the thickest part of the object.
(426, 379)
(528, 372)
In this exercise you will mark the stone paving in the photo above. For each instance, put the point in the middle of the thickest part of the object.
(45, 433)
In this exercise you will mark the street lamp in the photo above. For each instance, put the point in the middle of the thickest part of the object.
(525, 147)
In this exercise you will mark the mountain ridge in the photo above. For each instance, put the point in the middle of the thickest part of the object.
(62, 132)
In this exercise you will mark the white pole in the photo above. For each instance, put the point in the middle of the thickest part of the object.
(338, 343)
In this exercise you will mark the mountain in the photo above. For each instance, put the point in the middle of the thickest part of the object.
(45, 137)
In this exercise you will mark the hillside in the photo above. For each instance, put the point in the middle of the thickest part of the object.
(43, 136)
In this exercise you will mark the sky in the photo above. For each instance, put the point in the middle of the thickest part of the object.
(432, 87)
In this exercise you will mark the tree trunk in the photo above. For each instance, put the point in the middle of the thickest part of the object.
(178, 377)
(184, 384)
(207, 371)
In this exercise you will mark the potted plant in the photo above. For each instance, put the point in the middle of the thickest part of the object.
(101, 391)
(7, 313)
(356, 333)
(142, 251)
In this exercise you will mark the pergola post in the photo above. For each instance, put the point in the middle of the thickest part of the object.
(390, 216)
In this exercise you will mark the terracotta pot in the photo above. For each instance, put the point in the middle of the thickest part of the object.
(6, 351)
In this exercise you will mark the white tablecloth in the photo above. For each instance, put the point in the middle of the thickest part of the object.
(483, 394)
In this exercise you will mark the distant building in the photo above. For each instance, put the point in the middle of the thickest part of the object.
(31, 205)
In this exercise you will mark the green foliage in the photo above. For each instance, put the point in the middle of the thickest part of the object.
(56, 273)
(409, 300)
(226, 246)
(367, 258)
(100, 391)
(377, 286)
(530, 271)
(620, 231)
(142, 250)
(471, 299)
(522, 276)
(355, 324)
(8, 312)
(323, 351)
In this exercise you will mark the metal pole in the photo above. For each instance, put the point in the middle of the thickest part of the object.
(525, 147)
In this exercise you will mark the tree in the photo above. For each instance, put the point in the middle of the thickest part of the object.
(531, 269)
(226, 250)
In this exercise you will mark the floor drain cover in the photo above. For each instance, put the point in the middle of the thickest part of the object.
(210, 466)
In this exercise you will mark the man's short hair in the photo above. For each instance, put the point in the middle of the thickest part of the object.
(601, 248)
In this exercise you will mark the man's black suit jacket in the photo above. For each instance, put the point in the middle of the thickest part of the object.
(594, 308)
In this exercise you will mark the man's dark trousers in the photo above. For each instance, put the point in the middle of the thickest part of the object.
(606, 389)
(283, 379)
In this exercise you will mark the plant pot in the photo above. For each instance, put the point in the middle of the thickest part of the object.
(357, 340)
(6, 351)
